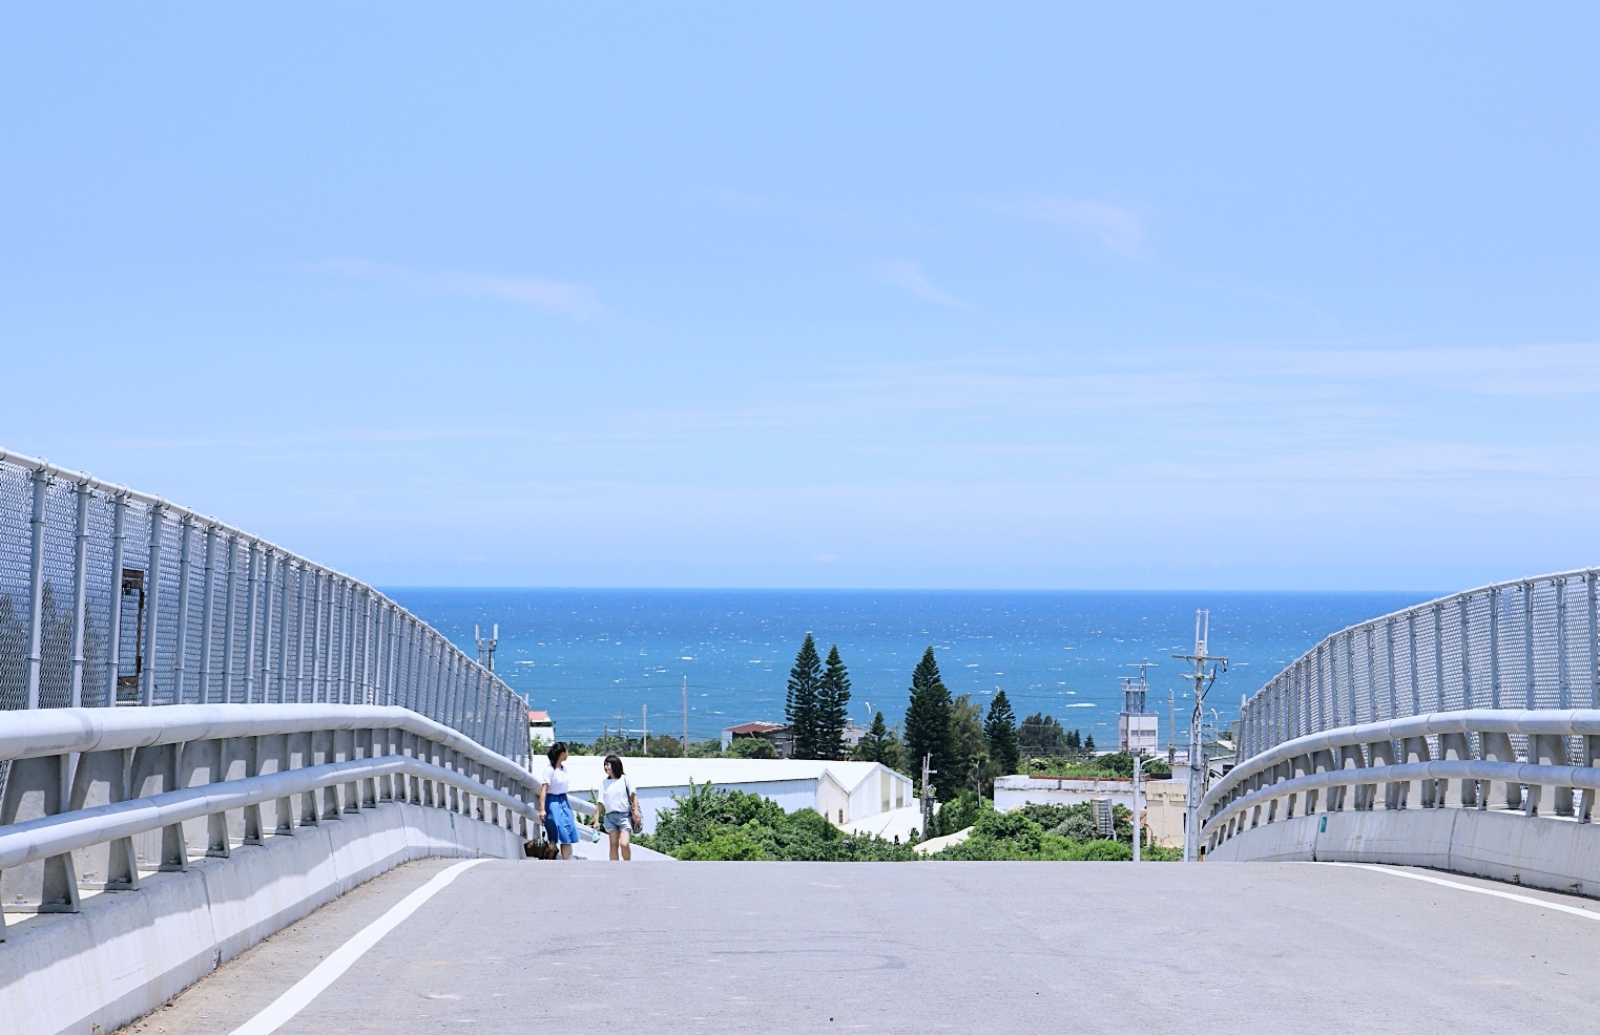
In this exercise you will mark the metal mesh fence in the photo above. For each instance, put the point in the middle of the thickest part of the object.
(183, 609)
(1532, 643)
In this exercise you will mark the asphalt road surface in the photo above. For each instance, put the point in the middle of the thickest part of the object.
(519, 947)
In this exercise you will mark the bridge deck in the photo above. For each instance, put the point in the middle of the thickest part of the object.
(923, 947)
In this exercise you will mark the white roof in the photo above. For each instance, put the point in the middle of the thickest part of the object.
(586, 771)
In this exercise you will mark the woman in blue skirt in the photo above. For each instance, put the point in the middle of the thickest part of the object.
(554, 809)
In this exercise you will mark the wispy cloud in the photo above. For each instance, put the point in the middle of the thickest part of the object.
(569, 299)
(1112, 227)
(908, 277)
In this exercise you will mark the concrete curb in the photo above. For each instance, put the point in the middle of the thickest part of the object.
(1541, 852)
(127, 953)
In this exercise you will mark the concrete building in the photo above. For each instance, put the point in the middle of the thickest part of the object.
(1163, 799)
(765, 730)
(845, 792)
(782, 738)
(1136, 727)
(541, 731)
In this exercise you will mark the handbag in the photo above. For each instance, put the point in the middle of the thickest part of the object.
(635, 813)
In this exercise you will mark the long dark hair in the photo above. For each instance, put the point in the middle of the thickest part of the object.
(616, 766)
(557, 749)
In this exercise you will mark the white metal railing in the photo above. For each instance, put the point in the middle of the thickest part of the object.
(110, 596)
(95, 795)
(1473, 758)
(1530, 643)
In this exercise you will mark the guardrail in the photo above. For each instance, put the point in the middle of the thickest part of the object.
(110, 596)
(1462, 759)
(1530, 643)
(114, 791)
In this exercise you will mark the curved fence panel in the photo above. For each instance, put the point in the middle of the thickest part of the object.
(1531, 643)
(113, 597)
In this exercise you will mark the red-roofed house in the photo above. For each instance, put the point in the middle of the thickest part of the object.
(541, 730)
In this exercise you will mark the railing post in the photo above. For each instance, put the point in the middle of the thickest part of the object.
(1563, 673)
(1411, 662)
(40, 481)
(251, 606)
(179, 666)
(1494, 647)
(1438, 657)
(208, 615)
(1527, 645)
(80, 594)
(267, 558)
(1388, 664)
(229, 608)
(1350, 672)
(152, 603)
(1594, 642)
(366, 646)
(317, 646)
(347, 642)
(1464, 606)
(119, 538)
(284, 572)
(300, 634)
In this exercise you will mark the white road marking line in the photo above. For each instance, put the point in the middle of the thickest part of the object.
(1587, 914)
(298, 997)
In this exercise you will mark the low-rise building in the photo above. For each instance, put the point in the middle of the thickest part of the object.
(845, 792)
(541, 731)
(1164, 800)
(781, 737)
(764, 730)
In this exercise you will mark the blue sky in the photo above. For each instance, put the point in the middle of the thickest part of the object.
(1243, 296)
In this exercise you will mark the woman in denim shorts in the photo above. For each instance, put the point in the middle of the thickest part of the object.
(617, 801)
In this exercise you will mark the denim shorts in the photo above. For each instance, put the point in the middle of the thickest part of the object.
(618, 821)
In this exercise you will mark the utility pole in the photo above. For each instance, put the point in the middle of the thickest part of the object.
(1172, 720)
(685, 716)
(1138, 802)
(486, 645)
(644, 728)
(927, 795)
(1197, 763)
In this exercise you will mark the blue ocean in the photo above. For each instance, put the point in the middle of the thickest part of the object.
(597, 658)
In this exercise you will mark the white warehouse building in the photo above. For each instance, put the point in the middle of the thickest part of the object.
(845, 792)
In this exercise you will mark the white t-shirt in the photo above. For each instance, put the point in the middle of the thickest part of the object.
(614, 794)
(557, 780)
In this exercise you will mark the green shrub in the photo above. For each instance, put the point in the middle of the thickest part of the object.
(709, 823)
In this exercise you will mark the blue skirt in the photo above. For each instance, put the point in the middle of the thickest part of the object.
(559, 826)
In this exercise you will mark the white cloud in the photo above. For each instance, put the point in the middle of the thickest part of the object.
(569, 299)
(1112, 227)
(908, 277)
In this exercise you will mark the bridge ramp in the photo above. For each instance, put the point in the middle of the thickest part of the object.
(512, 947)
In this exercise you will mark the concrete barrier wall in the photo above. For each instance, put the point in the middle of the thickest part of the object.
(127, 953)
(1553, 853)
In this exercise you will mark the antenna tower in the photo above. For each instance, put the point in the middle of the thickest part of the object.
(486, 645)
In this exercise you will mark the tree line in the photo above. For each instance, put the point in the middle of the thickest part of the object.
(967, 748)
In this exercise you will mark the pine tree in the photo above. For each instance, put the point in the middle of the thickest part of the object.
(928, 727)
(1000, 730)
(879, 745)
(833, 706)
(1088, 744)
(800, 700)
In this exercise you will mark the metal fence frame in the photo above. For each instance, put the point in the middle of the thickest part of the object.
(110, 596)
(1531, 643)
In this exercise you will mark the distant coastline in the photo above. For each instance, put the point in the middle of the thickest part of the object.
(592, 655)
